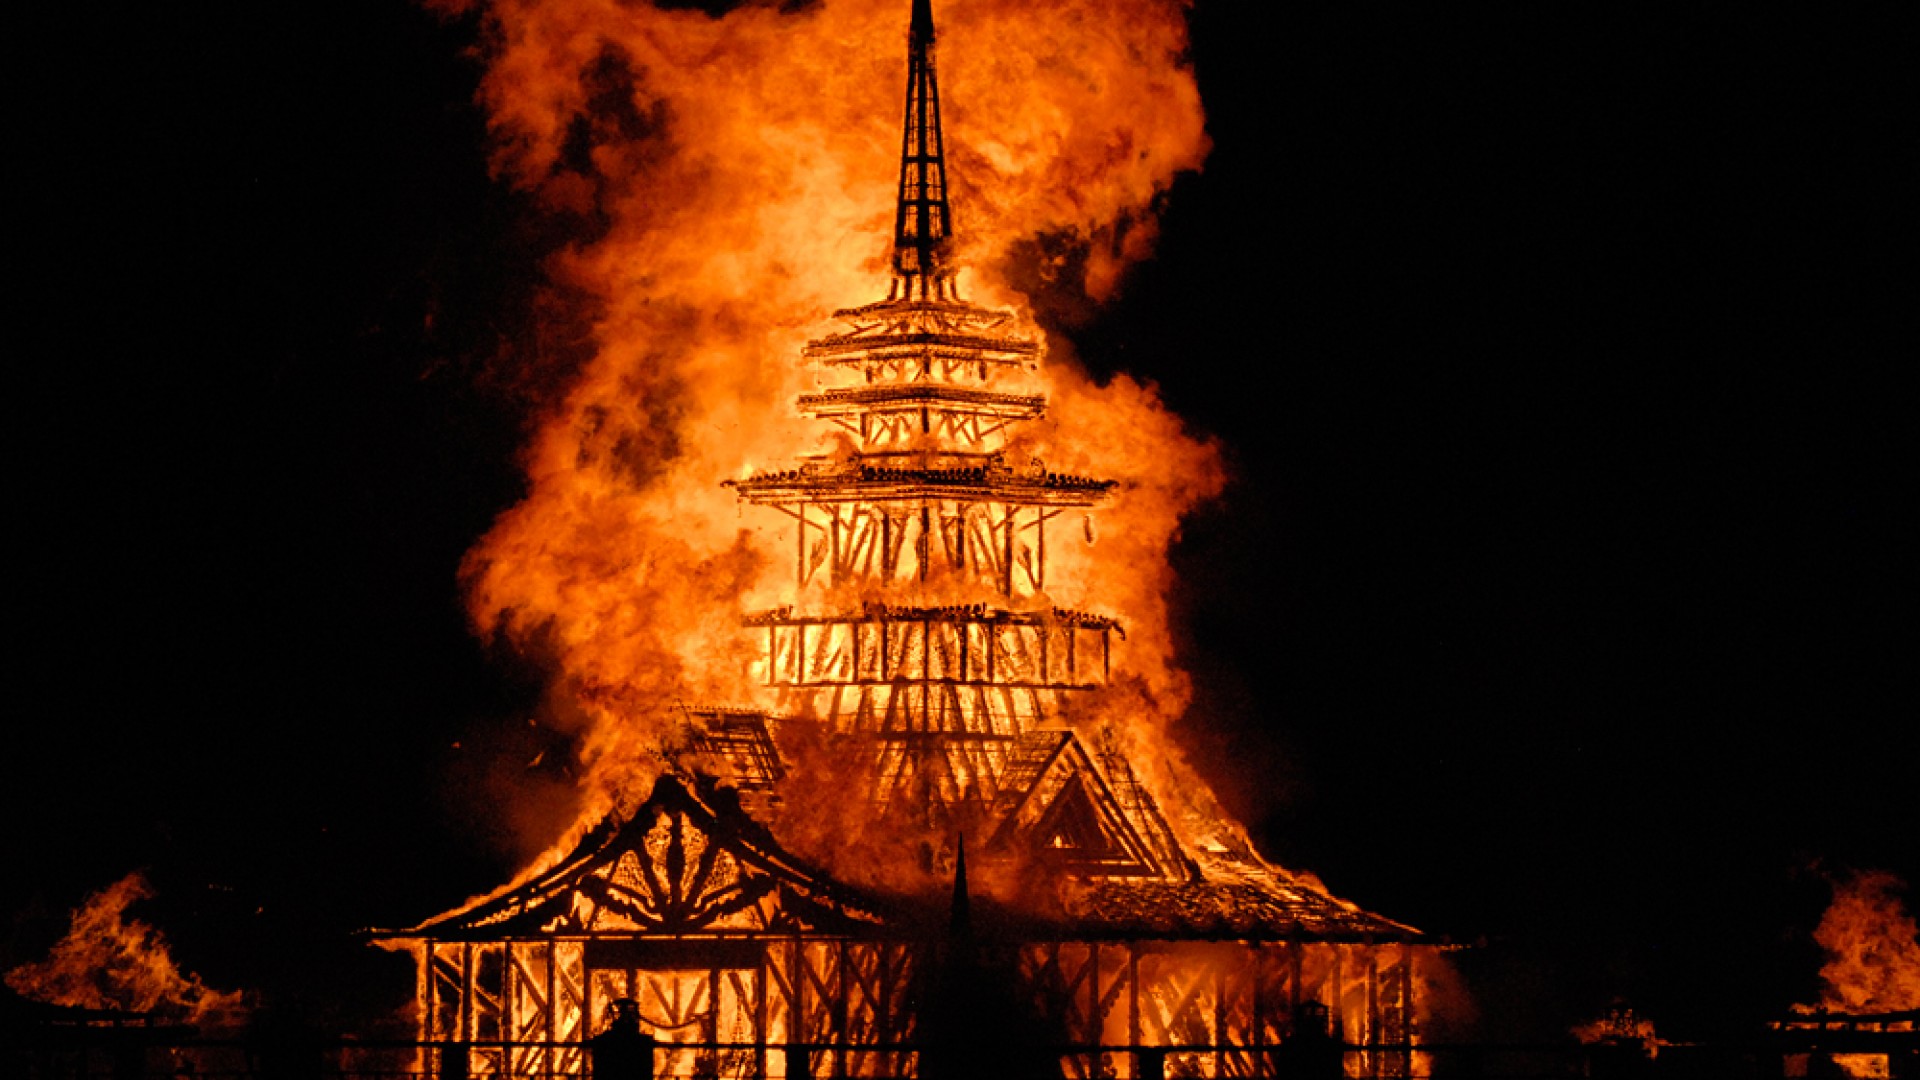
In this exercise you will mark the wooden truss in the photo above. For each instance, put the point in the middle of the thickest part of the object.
(908, 340)
(908, 526)
(885, 645)
(883, 417)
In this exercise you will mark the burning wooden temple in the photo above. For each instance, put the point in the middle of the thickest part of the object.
(924, 666)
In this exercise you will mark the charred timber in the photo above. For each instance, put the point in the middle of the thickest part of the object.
(949, 613)
(870, 483)
(967, 346)
(850, 399)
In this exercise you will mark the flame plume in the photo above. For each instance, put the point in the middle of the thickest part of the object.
(110, 961)
(736, 173)
(1872, 945)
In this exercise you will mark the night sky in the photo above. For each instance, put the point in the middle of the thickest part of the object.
(1560, 600)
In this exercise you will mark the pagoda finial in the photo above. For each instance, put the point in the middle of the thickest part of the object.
(923, 222)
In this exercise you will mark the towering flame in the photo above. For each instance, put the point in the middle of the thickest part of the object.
(734, 172)
(908, 628)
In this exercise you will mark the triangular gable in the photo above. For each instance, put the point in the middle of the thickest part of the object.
(681, 864)
(1059, 809)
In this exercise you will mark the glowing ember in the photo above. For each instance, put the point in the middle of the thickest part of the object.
(110, 961)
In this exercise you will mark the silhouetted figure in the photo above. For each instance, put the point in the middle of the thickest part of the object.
(456, 1061)
(1311, 1051)
(622, 1051)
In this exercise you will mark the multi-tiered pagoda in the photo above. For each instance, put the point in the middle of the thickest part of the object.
(921, 653)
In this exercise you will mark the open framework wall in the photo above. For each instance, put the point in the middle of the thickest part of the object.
(737, 1006)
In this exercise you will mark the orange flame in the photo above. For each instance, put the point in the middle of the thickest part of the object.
(110, 961)
(738, 171)
(1872, 945)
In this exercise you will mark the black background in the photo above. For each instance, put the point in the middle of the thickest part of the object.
(1560, 599)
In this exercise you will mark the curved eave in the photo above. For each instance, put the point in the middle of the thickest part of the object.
(973, 347)
(787, 487)
(918, 396)
(878, 613)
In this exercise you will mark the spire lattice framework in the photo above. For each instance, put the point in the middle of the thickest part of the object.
(924, 221)
(922, 633)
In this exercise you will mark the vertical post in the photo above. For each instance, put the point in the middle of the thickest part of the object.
(760, 1026)
(467, 993)
(1013, 514)
(710, 1026)
(833, 545)
(1257, 1006)
(1407, 1013)
(798, 1064)
(923, 547)
(1095, 1025)
(1220, 1019)
(1373, 1008)
(429, 962)
(839, 1014)
(586, 996)
(800, 559)
(1133, 993)
(1040, 549)
(553, 1003)
(503, 1014)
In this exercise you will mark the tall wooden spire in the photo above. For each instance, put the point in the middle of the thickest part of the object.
(923, 222)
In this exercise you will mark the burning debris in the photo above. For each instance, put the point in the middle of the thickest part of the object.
(1868, 1016)
(915, 608)
(1872, 945)
(110, 961)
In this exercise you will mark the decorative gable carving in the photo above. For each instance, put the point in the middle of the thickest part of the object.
(682, 864)
(1059, 810)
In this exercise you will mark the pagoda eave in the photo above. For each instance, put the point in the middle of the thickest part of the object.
(901, 397)
(781, 489)
(841, 348)
(966, 613)
(906, 309)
